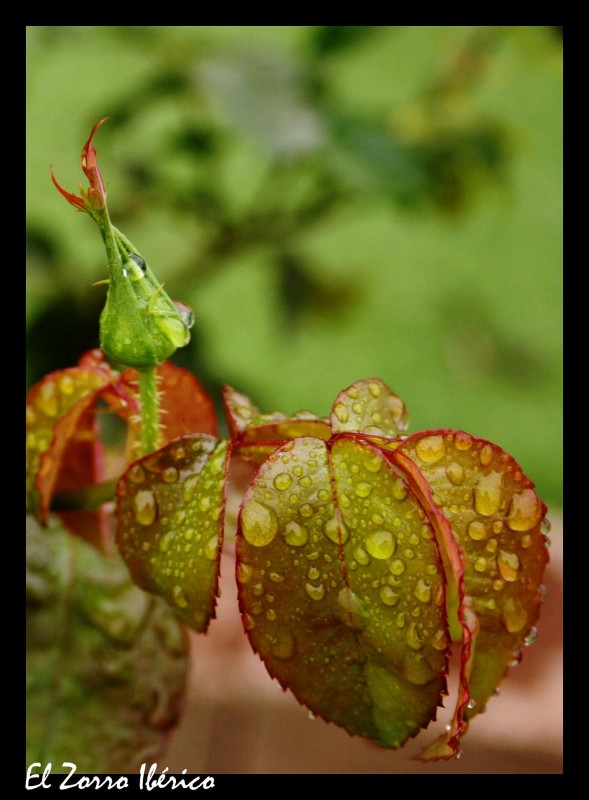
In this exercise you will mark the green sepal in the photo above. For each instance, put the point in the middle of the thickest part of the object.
(140, 325)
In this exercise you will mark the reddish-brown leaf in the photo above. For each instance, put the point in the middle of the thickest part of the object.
(59, 424)
(255, 436)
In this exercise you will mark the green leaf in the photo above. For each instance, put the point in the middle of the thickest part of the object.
(170, 509)
(106, 663)
(495, 517)
(341, 587)
(369, 406)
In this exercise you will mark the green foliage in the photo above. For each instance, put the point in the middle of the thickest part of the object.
(391, 193)
(106, 662)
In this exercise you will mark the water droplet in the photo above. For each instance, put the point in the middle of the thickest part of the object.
(179, 597)
(275, 577)
(525, 511)
(486, 455)
(361, 556)
(400, 619)
(526, 541)
(388, 596)
(417, 669)
(244, 573)
(531, 636)
(31, 416)
(282, 481)
(374, 464)
(542, 591)
(413, 638)
(166, 541)
(508, 564)
(514, 616)
(249, 623)
(363, 489)
(462, 441)
(204, 503)
(491, 546)
(259, 523)
(487, 494)
(471, 703)
(480, 564)
(313, 573)
(270, 615)
(455, 473)
(352, 610)
(66, 384)
(476, 530)
(381, 544)
(341, 412)
(516, 658)
(439, 640)
(430, 449)
(47, 400)
(189, 487)
(333, 530)
(257, 608)
(546, 526)
(284, 644)
(211, 548)
(258, 589)
(397, 566)
(498, 585)
(136, 473)
(399, 490)
(306, 510)
(315, 592)
(423, 591)
(170, 475)
(145, 508)
(295, 535)
(311, 715)
(375, 389)
(305, 481)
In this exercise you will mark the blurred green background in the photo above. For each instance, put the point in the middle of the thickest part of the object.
(334, 202)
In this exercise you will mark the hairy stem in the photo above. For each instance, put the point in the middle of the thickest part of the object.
(149, 411)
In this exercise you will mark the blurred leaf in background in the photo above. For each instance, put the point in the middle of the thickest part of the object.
(334, 202)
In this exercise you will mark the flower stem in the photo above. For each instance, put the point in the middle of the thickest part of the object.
(149, 411)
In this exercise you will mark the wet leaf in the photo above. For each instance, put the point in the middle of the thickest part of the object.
(495, 517)
(58, 418)
(170, 509)
(106, 663)
(255, 436)
(369, 406)
(341, 587)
